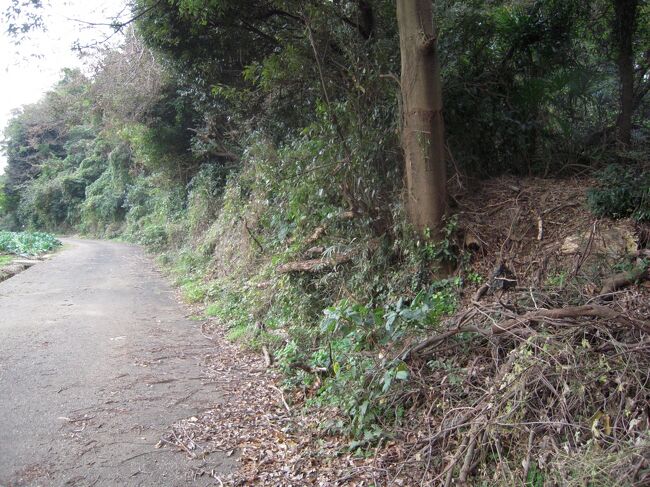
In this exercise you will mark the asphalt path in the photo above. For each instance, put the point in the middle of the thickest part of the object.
(97, 359)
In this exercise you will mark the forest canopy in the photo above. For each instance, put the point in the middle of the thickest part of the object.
(528, 88)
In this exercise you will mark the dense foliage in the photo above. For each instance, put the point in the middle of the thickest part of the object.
(622, 192)
(235, 137)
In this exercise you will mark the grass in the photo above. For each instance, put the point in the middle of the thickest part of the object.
(193, 291)
(237, 333)
(5, 259)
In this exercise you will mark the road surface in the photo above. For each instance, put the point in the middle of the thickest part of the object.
(97, 359)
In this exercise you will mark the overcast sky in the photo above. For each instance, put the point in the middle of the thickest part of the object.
(31, 68)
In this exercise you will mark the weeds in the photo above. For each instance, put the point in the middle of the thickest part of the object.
(355, 346)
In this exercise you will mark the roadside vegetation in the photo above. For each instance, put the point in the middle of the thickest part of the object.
(256, 151)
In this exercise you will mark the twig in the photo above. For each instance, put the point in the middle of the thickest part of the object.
(583, 257)
(531, 436)
(139, 455)
(449, 469)
(186, 397)
(179, 444)
(268, 357)
(558, 313)
(480, 292)
(433, 340)
(211, 338)
(469, 454)
(253, 236)
(284, 402)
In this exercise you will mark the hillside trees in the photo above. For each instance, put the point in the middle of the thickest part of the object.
(127, 81)
(291, 73)
(3, 196)
(45, 145)
(197, 84)
(327, 56)
(74, 155)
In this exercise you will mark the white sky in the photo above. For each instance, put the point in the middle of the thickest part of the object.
(28, 70)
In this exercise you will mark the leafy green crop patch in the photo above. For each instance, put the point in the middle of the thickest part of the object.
(28, 243)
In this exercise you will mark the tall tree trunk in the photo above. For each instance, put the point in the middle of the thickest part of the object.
(625, 13)
(423, 137)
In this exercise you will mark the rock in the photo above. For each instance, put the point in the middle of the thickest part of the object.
(26, 262)
(10, 271)
(471, 242)
(611, 239)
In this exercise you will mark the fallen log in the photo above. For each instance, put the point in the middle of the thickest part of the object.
(624, 279)
(556, 314)
(26, 262)
(325, 263)
(320, 230)
(511, 324)
(313, 252)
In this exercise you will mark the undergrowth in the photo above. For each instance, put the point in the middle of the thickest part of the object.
(343, 340)
(621, 192)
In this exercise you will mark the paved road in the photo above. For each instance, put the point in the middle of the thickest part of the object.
(97, 358)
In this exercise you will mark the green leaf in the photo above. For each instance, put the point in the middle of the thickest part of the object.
(337, 368)
(402, 371)
(402, 375)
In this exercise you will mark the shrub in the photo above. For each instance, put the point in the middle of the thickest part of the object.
(621, 192)
(365, 385)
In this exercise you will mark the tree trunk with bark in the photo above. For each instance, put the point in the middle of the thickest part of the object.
(625, 13)
(423, 139)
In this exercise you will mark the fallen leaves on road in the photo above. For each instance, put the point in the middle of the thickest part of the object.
(273, 444)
